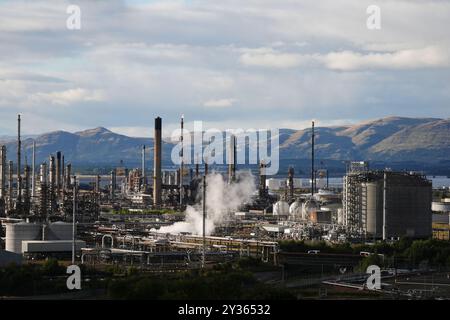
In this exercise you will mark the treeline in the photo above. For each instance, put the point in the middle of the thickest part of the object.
(229, 282)
(40, 279)
(405, 252)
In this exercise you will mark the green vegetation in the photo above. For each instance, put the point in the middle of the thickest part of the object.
(40, 279)
(228, 281)
(406, 252)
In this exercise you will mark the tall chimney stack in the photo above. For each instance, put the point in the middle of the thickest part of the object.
(10, 185)
(232, 160)
(58, 173)
(291, 183)
(181, 163)
(19, 177)
(312, 161)
(68, 176)
(144, 178)
(157, 163)
(2, 172)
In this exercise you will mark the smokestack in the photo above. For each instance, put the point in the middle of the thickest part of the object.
(2, 180)
(262, 179)
(52, 172)
(10, 185)
(43, 194)
(144, 178)
(33, 171)
(157, 163)
(181, 163)
(2, 172)
(312, 161)
(97, 184)
(63, 177)
(68, 176)
(19, 178)
(291, 183)
(27, 189)
(232, 160)
(58, 173)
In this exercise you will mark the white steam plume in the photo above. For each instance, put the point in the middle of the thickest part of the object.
(221, 199)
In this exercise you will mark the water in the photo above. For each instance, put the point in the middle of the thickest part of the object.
(438, 182)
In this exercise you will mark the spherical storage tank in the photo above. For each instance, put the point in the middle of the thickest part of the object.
(295, 210)
(281, 208)
(18, 232)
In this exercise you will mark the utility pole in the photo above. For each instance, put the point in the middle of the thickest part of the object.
(74, 217)
(204, 219)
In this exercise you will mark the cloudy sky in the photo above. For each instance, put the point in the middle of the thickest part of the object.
(230, 63)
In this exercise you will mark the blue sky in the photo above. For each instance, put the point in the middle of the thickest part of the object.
(249, 64)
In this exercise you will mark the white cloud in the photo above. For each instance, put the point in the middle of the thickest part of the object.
(68, 97)
(272, 59)
(404, 59)
(275, 59)
(219, 103)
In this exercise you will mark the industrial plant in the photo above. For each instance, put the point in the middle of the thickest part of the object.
(195, 217)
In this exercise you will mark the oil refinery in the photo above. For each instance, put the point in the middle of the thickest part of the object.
(165, 213)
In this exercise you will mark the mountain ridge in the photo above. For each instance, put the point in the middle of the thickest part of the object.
(386, 139)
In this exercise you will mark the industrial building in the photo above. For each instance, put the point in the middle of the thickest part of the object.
(386, 204)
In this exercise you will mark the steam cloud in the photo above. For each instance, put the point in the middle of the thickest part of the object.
(221, 199)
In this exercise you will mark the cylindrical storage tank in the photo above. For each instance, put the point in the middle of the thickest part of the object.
(374, 208)
(18, 232)
(59, 231)
(295, 210)
(340, 215)
(281, 208)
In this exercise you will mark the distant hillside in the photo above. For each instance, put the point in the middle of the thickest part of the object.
(393, 139)
(97, 145)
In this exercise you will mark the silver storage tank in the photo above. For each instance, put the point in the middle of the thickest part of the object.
(17, 232)
(373, 193)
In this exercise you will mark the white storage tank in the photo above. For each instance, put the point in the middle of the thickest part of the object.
(18, 232)
(281, 208)
(59, 231)
(340, 214)
(295, 210)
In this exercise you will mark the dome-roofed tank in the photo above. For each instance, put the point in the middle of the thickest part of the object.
(309, 207)
(17, 232)
(281, 208)
(295, 210)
